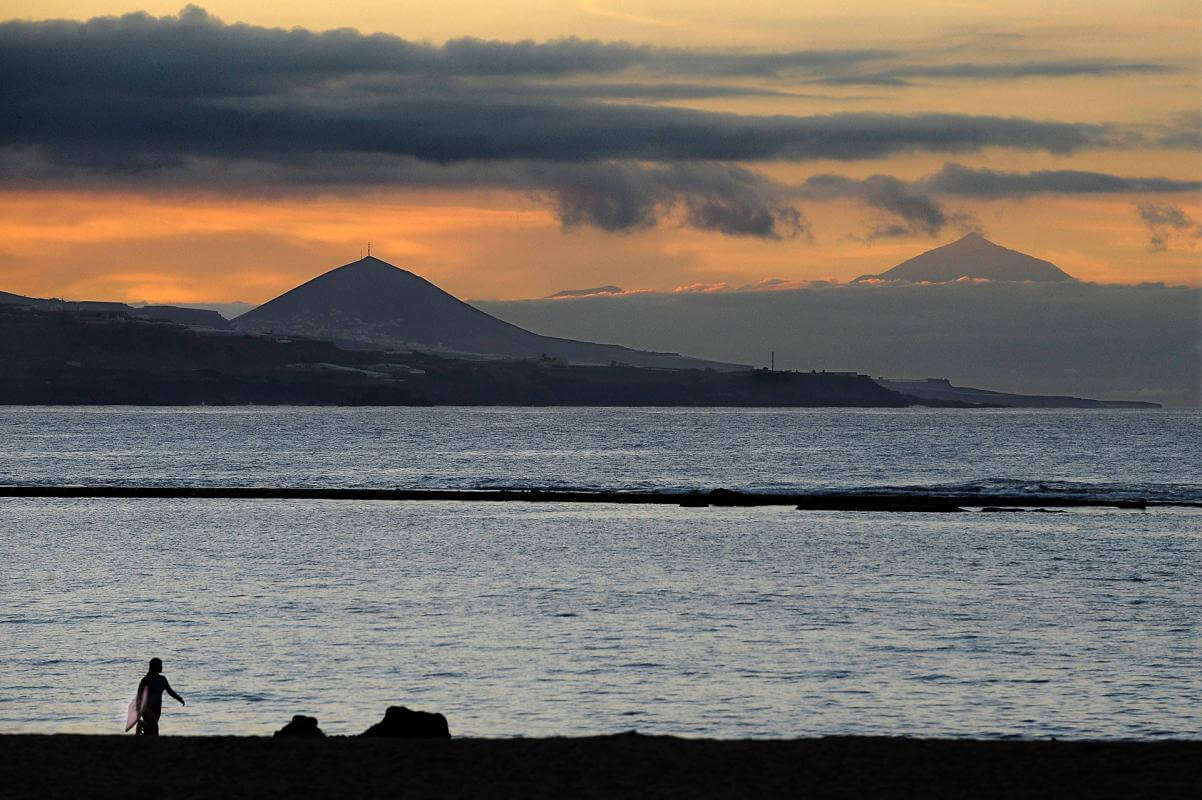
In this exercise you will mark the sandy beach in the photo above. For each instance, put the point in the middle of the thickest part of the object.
(613, 766)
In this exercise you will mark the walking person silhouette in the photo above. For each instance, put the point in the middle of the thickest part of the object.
(150, 698)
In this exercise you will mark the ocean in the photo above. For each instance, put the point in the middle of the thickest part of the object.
(518, 619)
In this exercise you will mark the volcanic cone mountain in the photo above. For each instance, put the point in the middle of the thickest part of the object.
(372, 302)
(974, 256)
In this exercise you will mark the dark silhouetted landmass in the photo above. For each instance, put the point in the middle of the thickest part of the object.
(73, 357)
(370, 301)
(192, 317)
(942, 389)
(1104, 341)
(620, 766)
(973, 257)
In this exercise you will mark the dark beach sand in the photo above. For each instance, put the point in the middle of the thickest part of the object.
(613, 766)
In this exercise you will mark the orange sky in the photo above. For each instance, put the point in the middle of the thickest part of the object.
(192, 243)
(162, 249)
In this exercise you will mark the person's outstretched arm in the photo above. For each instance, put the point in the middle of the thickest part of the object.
(171, 692)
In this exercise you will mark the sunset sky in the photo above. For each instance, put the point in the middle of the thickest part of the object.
(153, 153)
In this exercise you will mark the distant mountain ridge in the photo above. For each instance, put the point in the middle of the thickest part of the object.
(973, 257)
(192, 317)
(942, 389)
(376, 303)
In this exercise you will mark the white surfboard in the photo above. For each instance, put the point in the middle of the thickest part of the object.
(131, 715)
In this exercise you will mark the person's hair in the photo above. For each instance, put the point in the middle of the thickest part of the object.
(156, 665)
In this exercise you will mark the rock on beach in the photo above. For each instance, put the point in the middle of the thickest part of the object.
(402, 723)
(300, 726)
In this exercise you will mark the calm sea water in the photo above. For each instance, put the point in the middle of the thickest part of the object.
(1146, 453)
(516, 619)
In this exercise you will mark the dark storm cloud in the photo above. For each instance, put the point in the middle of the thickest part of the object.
(190, 102)
(743, 218)
(960, 180)
(716, 197)
(135, 94)
(193, 51)
(93, 130)
(1184, 131)
(918, 211)
(575, 56)
(1164, 222)
(1164, 215)
(904, 75)
(642, 91)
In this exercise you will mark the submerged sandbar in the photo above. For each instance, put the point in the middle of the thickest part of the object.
(808, 501)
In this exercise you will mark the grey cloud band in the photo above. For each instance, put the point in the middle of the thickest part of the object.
(190, 102)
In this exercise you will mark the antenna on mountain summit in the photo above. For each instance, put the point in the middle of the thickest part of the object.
(369, 249)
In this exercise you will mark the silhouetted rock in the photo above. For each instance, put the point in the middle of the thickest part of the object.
(300, 726)
(402, 723)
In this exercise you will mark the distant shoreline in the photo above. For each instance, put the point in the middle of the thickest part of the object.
(624, 765)
(823, 501)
